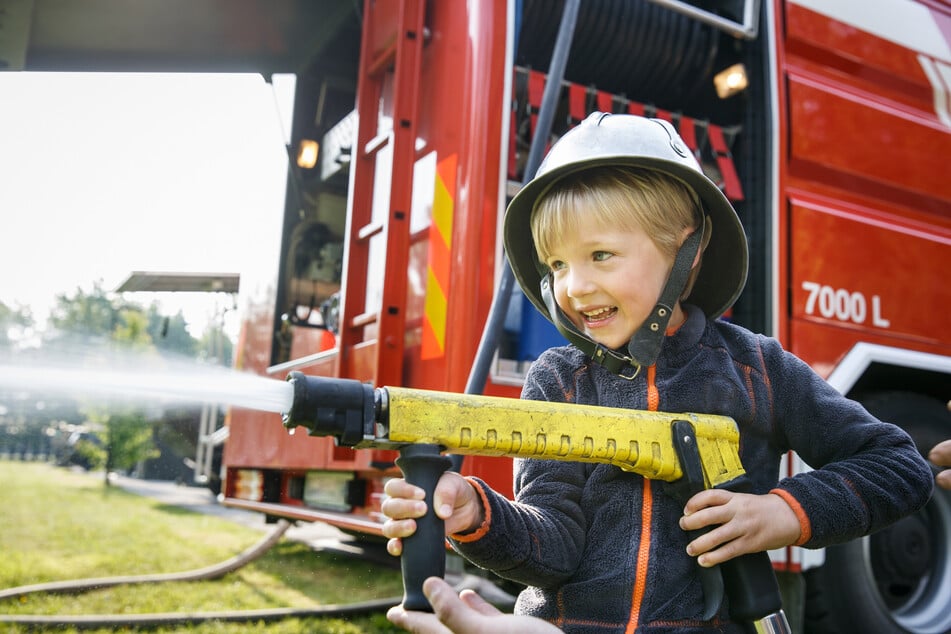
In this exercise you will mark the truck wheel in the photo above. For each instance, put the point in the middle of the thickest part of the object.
(897, 580)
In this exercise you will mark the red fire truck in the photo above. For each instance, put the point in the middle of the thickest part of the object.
(826, 122)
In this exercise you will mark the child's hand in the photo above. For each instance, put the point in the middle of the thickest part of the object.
(455, 501)
(741, 523)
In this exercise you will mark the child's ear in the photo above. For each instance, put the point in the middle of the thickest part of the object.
(705, 240)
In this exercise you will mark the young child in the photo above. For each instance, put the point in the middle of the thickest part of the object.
(624, 244)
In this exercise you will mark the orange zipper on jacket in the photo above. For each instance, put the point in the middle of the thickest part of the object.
(647, 508)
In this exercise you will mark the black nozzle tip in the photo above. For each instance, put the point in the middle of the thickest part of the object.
(342, 408)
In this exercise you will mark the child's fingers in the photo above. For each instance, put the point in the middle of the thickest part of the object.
(707, 508)
(398, 528)
(745, 524)
(449, 493)
(444, 501)
(403, 508)
(707, 499)
(400, 488)
(394, 547)
(709, 541)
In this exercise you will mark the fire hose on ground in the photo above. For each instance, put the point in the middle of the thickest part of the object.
(208, 573)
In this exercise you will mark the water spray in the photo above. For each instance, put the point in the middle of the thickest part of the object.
(170, 383)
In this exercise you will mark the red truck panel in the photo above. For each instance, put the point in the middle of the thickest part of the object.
(863, 276)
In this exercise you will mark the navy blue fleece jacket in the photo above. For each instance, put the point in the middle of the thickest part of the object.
(601, 550)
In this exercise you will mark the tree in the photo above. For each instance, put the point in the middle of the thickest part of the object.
(215, 346)
(132, 331)
(85, 315)
(13, 321)
(170, 333)
(126, 433)
(125, 436)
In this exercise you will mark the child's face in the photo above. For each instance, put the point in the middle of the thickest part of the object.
(608, 280)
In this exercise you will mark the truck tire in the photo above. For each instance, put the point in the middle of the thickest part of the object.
(898, 580)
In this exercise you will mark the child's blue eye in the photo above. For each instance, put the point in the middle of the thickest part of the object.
(600, 256)
(556, 265)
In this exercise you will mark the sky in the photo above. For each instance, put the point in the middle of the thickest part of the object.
(105, 174)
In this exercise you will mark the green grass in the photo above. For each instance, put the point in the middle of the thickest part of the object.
(59, 525)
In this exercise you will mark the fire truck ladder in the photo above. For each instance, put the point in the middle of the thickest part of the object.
(389, 74)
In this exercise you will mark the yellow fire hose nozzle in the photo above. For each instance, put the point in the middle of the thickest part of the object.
(358, 415)
(690, 451)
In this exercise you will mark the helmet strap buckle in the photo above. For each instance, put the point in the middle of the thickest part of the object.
(616, 363)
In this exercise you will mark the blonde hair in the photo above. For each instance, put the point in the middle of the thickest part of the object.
(628, 198)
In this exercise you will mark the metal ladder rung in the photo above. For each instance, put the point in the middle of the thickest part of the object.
(364, 319)
(383, 61)
(377, 143)
(368, 231)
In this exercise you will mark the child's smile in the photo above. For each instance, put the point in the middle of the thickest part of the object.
(599, 314)
(607, 281)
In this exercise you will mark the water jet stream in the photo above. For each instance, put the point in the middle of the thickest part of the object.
(177, 384)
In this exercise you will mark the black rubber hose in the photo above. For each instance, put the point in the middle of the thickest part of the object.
(98, 621)
(215, 571)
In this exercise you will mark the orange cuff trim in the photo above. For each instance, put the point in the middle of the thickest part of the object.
(805, 526)
(483, 528)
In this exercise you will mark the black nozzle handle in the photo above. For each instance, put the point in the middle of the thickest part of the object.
(424, 552)
(749, 580)
(751, 587)
(692, 482)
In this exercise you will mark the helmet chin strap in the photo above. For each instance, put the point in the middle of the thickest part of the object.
(644, 346)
